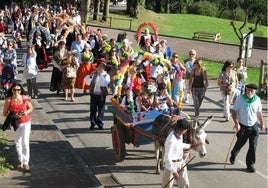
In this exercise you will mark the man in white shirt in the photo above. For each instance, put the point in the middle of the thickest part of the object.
(174, 157)
(98, 92)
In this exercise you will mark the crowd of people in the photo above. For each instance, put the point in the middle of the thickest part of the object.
(151, 78)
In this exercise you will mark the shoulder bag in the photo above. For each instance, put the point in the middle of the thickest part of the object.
(71, 72)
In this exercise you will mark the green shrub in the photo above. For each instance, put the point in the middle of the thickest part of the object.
(240, 15)
(204, 8)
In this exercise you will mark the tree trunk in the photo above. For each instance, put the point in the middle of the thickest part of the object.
(85, 4)
(129, 5)
(106, 10)
(96, 9)
(133, 7)
(167, 6)
(158, 6)
(142, 3)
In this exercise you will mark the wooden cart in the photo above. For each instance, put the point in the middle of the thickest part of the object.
(135, 128)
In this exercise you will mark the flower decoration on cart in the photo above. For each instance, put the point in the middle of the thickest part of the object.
(141, 59)
(121, 72)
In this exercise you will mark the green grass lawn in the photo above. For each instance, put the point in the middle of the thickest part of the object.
(181, 25)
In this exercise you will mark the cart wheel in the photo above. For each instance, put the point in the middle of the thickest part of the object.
(118, 139)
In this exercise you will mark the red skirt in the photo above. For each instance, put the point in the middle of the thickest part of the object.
(84, 70)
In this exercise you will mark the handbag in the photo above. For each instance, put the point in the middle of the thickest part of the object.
(31, 70)
(70, 72)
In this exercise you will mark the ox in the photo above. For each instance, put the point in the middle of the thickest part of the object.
(162, 126)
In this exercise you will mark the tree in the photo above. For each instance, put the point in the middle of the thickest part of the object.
(133, 7)
(106, 10)
(245, 5)
(85, 4)
(96, 9)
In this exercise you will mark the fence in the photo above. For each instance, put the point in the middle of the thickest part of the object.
(263, 80)
(124, 22)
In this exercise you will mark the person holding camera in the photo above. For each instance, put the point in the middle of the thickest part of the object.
(18, 103)
(227, 82)
(30, 71)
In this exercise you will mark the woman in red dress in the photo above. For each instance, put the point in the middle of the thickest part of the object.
(85, 68)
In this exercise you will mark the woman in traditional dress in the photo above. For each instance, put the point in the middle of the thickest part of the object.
(60, 53)
(40, 43)
(85, 68)
(113, 62)
(68, 65)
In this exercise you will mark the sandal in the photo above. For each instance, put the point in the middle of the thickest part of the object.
(20, 166)
(27, 168)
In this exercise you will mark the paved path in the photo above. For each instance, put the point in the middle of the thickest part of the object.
(65, 153)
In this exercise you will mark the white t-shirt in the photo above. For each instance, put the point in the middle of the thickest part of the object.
(31, 63)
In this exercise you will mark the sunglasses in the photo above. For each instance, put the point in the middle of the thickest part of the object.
(191, 54)
(16, 89)
(175, 57)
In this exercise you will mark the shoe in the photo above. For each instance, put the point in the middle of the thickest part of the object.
(92, 127)
(251, 169)
(186, 102)
(26, 168)
(72, 99)
(65, 98)
(232, 159)
(227, 119)
(100, 127)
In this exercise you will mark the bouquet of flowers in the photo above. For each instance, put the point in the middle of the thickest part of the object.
(107, 48)
(86, 57)
(148, 89)
(114, 63)
(242, 77)
(75, 53)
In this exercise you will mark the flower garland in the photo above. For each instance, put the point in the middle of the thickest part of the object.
(58, 19)
(42, 29)
(139, 31)
(131, 102)
(142, 59)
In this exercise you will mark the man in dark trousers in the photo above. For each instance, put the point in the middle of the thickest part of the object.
(246, 113)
